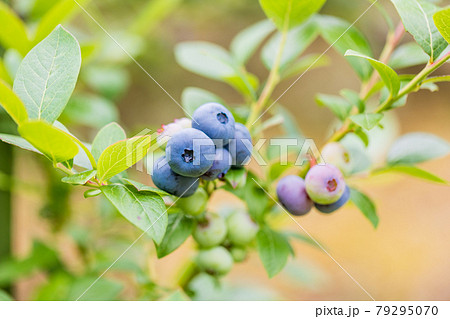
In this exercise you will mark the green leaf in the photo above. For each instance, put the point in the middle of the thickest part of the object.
(80, 178)
(13, 33)
(142, 187)
(12, 104)
(442, 22)
(179, 228)
(354, 99)
(407, 55)
(308, 62)
(338, 105)
(108, 135)
(103, 290)
(365, 205)
(273, 250)
(108, 80)
(89, 110)
(367, 120)
(412, 171)
(290, 13)
(389, 76)
(121, 156)
(415, 148)
(54, 143)
(214, 62)
(193, 97)
(145, 210)
(417, 17)
(60, 12)
(256, 198)
(277, 169)
(297, 41)
(48, 74)
(343, 36)
(247, 41)
(4, 296)
(236, 177)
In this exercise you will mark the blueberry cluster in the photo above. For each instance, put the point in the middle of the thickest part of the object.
(205, 148)
(323, 187)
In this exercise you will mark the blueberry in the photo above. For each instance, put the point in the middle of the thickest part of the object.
(241, 228)
(240, 147)
(210, 232)
(221, 164)
(167, 180)
(190, 152)
(215, 121)
(292, 195)
(336, 205)
(216, 261)
(238, 253)
(194, 205)
(324, 184)
(336, 154)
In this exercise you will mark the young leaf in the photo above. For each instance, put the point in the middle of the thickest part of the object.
(13, 33)
(412, 171)
(145, 210)
(417, 17)
(298, 40)
(273, 249)
(108, 135)
(80, 178)
(178, 230)
(339, 106)
(343, 36)
(290, 13)
(121, 156)
(442, 22)
(48, 74)
(365, 205)
(54, 143)
(415, 148)
(12, 104)
(406, 55)
(367, 120)
(389, 76)
(247, 41)
(193, 97)
(354, 99)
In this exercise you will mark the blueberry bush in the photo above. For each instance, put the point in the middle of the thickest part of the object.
(211, 149)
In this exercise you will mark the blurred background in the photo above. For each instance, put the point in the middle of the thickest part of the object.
(61, 242)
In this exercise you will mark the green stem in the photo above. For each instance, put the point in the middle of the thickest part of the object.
(64, 169)
(272, 81)
(86, 150)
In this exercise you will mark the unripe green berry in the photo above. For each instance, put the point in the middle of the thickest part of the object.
(238, 253)
(241, 228)
(210, 232)
(194, 205)
(217, 260)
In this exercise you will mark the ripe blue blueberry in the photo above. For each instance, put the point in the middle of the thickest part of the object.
(327, 209)
(292, 195)
(167, 180)
(215, 121)
(240, 147)
(221, 164)
(324, 184)
(210, 232)
(190, 152)
(216, 261)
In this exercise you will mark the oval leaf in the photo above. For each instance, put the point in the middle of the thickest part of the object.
(367, 120)
(389, 76)
(193, 97)
(416, 148)
(108, 135)
(80, 178)
(273, 249)
(417, 17)
(145, 210)
(12, 104)
(48, 74)
(442, 22)
(121, 156)
(412, 171)
(365, 205)
(54, 143)
(178, 230)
